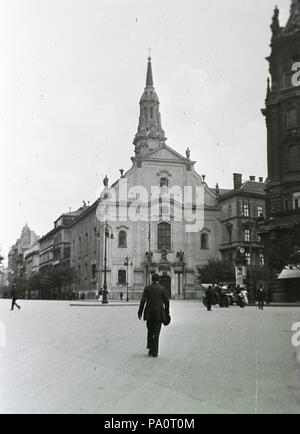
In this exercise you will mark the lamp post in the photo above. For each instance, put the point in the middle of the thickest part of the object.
(126, 263)
(107, 234)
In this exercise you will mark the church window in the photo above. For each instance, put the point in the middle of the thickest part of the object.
(151, 112)
(204, 242)
(122, 277)
(291, 118)
(122, 239)
(164, 236)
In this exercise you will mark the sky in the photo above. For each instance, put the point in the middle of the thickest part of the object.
(71, 76)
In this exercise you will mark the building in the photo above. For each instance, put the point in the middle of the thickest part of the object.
(148, 218)
(280, 231)
(85, 253)
(55, 246)
(241, 209)
(16, 264)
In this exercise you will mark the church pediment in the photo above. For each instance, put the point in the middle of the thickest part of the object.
(167, 153)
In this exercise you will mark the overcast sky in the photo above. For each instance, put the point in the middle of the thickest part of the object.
(71, 76)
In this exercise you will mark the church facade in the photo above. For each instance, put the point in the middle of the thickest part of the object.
(161, 216)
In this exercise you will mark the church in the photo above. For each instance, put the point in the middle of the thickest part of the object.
(159, 216)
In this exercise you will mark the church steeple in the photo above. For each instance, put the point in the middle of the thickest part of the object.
(149, 80)
(150, 134)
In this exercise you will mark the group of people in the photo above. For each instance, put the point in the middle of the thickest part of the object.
(218, 292)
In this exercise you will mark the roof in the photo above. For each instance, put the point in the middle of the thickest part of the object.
(290, 272)
(253, 187)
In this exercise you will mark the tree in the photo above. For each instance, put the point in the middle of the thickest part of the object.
(216, 271)
(51, 281)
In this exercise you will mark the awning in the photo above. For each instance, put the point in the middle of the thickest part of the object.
(291, 272)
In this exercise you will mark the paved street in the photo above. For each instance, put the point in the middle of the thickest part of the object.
(92, 359)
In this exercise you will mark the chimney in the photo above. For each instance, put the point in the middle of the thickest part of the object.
(261, 179)
(237, 180)
(252, 178)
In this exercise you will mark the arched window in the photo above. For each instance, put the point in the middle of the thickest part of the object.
(122, 239)
(164, 236)
(151, 112)
(204, 242)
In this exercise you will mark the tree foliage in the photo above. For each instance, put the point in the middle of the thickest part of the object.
(216, 271)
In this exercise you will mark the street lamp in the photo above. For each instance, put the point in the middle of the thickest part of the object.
(107, 234)
(126, 263)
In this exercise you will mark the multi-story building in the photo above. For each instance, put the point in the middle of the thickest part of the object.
(281, 230)
(85, 253)
(16, 264)
(55, 245)
(241, 208)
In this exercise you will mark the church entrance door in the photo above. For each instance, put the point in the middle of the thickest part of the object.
(165, 281)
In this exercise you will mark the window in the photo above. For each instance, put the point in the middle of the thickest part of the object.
(164, 182)
(261, 259)
(294, 158)
(248, 258)
(204, 242)
(260, 211)
(79, 246)
(122, 277)
(85, 271)
(151, 112)
(122, 239)
(296, 200)
(93, 271)
(291, 118)
(286, 203)
(164, 236)
(229, 210)
(247, 234)
(229, 232)
(95, 239)
(245, 210)
(86, 244)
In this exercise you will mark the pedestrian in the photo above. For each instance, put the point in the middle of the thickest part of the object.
(209, 298)
(260, 297)
(121, 296)
(155, 313)
(244, 294)
(14, 298)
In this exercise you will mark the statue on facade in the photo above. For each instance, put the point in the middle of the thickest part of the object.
(149, 256)
(105, 181)
(164, 254)
(180, 256)
(188, 153)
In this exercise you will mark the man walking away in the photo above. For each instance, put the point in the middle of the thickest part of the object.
(156, 310)
(260, 296)
(209, 298)
(14, 298)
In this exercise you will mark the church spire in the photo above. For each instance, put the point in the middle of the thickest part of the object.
(149, 80)
(150, 134)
